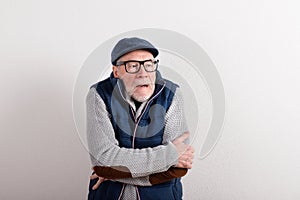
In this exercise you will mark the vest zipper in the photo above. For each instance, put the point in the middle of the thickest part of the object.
(137, 121)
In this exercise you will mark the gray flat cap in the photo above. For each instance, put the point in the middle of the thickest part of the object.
(127, 45)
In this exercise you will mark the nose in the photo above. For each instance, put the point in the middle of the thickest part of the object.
(142, 72)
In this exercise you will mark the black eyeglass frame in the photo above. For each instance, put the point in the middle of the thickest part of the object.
(155, 62)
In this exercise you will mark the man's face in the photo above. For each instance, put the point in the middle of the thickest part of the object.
(140, 86)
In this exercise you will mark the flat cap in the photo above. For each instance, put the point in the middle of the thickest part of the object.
(127, 45)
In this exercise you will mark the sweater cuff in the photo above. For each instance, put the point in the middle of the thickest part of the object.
(173, 155)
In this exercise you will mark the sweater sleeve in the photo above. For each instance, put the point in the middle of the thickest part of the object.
(104, 149)
(175, 122)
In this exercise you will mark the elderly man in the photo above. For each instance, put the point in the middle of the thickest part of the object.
(136, 129)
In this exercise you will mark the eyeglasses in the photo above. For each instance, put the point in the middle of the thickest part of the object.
(134, 66)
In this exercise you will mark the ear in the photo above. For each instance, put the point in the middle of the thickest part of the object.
(115, 71)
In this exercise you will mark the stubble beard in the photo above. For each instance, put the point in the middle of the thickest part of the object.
(145, 97)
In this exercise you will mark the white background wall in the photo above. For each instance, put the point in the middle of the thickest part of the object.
(255, 45)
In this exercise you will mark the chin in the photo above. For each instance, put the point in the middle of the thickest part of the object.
(141, 98)
(142, 95)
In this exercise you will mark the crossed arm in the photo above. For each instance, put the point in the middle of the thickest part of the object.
(139, 166)
(111, 173)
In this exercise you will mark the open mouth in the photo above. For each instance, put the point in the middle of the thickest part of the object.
(143, 86)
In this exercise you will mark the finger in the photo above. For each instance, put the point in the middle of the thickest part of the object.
(180, 164)
(184, 164)
(183, 157)
(93, 176)
(98, 183)
(188, 164)
(191, 148)
(186, 159)
(189, 161)
(187, 154)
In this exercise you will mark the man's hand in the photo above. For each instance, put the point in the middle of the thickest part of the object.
(100, 180)
(185, 152)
